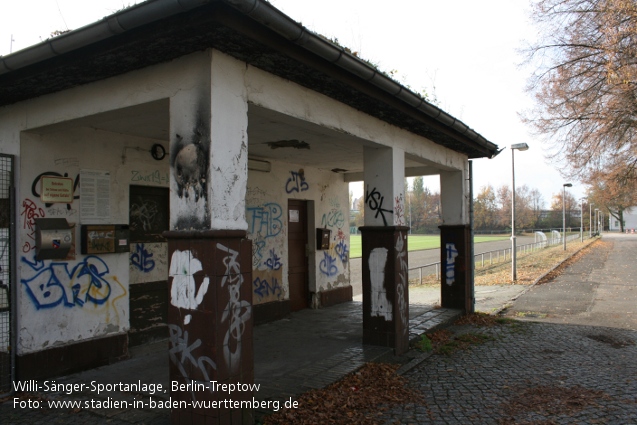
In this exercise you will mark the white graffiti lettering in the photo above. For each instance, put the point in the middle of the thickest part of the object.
(237, 311)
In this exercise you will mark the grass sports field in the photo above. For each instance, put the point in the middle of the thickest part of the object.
(416, 242)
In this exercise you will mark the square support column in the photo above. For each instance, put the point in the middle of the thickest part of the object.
(210, 323)
(385, 287)
(456, 286)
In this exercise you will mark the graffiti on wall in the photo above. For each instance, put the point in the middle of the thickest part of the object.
(29, 212)
(381, 307)
(342, 251)
(296, 182)
(144, 214)
(334, 218)
(237, 311)
(328, 265)
(148, 262)
(450, 270)
(155, 177)
(264, 222)
(182, 355)
(274, 261)
(267, 289)
(142, 259)
(374, 201)
(265, 219)
(402, 286)
(399, 211)
(57, 283)
(183, 291)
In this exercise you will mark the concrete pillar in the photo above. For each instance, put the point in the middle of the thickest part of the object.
(210, 274)
(384, 250)
(457, 286)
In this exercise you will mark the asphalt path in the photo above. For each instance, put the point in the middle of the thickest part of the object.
(428, 256)
(598, 290)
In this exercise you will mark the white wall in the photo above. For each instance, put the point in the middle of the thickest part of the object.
(63, 301)
(266, 212)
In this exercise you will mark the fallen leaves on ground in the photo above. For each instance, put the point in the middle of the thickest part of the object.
(552, 400)
(478, 319)
(358, 398)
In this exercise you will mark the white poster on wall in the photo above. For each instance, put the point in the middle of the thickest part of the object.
(95, 195)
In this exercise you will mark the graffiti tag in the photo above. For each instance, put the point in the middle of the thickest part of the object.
(265, 289)
(274, 262)
(328, 265)
(334, 218)
(55, 284)
(375, 202)
(237, 311)
(296, 183)
(265, 220)
(342, 251)
(450, 272)
(181, 353)
(142, 259)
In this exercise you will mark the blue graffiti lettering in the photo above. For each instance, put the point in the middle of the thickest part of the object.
(342, 251)
(296, 183)
(327, 265)
(264, 289)
(142, 259)
(450, 272)
(265, 220)
(54, 284)
(274, 262)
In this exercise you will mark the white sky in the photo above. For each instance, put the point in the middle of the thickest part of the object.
(464, 51)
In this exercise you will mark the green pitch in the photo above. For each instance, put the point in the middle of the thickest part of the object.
(416, 242)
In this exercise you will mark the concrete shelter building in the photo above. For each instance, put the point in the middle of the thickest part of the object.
(180, 170)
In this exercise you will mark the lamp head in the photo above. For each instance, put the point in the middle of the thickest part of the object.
(520, 146)
(568, 185)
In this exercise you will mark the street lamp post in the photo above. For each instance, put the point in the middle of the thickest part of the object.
(597, 221)
(590, 217)
(581, 220)
(520, 147)
(564, 186)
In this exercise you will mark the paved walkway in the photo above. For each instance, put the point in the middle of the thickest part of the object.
(571, 360)
(310, 349)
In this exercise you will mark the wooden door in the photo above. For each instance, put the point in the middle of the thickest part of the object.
(297, 255)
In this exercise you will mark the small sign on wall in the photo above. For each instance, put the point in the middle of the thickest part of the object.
(107, 239)
(55, 189)
(294, 216)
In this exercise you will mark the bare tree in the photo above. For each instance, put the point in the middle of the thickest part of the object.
(585, 85)
(613, 194)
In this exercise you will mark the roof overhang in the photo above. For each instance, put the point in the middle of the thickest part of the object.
(250, 30)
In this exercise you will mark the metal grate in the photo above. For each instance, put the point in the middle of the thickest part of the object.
(7, 219)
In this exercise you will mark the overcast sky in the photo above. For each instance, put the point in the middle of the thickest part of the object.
(462, 51)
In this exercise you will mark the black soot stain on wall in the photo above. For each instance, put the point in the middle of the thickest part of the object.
(190, 162)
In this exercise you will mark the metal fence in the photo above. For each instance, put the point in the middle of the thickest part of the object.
(417, 274)
(7, 315)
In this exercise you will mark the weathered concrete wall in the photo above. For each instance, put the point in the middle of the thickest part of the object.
(266, 212)
(281, 95)
(82, 296)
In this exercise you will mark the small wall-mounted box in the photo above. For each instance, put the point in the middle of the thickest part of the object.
(323, 237)
(53, 238)
(105, 239)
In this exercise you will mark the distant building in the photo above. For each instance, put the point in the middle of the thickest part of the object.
(630, 220)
